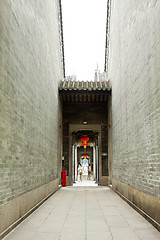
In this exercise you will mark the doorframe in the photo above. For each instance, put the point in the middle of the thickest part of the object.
(88, 127)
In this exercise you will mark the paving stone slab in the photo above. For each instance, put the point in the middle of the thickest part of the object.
(82, 213)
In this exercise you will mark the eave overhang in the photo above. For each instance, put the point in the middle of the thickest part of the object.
(81, 91)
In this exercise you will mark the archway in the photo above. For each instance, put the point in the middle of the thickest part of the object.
(93, 150)
(84, 155)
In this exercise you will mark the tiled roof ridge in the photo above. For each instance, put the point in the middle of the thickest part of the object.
(84, 85)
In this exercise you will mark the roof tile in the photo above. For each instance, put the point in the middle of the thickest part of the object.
(82, 85)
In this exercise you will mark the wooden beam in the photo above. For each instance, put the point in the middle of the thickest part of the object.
(80, 98)
(68, 98)
(72, 98)
(105, 97)
(76, 98)
(101, 97)
(97, 98)
(64, 97)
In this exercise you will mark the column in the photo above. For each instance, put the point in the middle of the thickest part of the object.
(94, 163)
(96, 154)
(76, 163)
(73, 158)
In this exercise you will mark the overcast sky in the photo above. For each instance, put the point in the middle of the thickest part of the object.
(84, 30)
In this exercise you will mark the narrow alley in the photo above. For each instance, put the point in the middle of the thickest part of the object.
(85, 212)
(101, 128)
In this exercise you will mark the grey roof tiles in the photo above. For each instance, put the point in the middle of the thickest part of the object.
(84, 85)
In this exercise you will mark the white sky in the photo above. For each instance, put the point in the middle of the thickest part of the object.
(84, 31)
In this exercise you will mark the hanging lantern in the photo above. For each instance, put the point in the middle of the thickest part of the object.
(85, 144)
(84, 156)
(85, 140)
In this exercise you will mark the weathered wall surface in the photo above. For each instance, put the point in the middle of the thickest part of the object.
(134, 70)
(30, 68)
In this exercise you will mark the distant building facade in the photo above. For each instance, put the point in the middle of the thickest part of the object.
(71, 78)
(98, 76)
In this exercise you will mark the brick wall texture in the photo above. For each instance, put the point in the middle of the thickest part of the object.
(134, 70)
(30, 68)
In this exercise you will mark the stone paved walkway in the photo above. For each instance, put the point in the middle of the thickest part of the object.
(84, 213)
(85, 183)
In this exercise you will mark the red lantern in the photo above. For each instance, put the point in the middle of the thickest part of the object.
(85, 139)
(84, 156)
(85, 143)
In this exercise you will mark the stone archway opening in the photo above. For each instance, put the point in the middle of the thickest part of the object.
(85, 155)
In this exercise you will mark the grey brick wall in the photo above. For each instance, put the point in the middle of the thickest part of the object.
(134, 70)
(30, 68)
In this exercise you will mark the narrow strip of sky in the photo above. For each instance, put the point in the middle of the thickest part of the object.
(84, 30)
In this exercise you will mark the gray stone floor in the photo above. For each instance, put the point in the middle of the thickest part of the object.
(84, 212)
